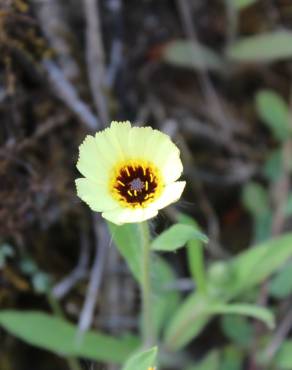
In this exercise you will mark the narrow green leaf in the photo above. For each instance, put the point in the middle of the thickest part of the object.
(256, 264)
(210, 362)
(142, 360)
(238, 329)
(188, 322)
(266, 47)
(241, 4)
(165, 300)
(59, 336)
(274, 112)
(255, 198)
(284, 356)
(242, 273)
(281, 285)
(273, 167)
(288, 207)
(232, 359)
(257, 312)
(176, 237)
(195, 255)
(128, 241)
(187, 54)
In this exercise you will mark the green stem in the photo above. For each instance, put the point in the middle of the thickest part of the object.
(72, 362)
(196, 255)
(200, 270)
(147, 325)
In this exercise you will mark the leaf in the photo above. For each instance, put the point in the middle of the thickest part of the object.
(6, 251)
(142, 360)
(188, 54)
(232, 359)
(165, 300)
(128, 241)
(288, 207)
(209, 362)
(243, 272)
(237, 329)
(241, 4)
(256, 264)
(274, 112)
(257, 312)
(284, 356)
(176, 237)
(195, 255)
(265, 47)
(273, 167)
(188, 322)
(281, 284)
(59, 336)
(255, 198)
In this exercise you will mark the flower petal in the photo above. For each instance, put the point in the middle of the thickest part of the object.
(156, 147)
(90, 163)
(126, 215)
(95, 195)
(171, 194)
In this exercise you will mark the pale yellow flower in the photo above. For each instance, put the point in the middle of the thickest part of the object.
(129, 172)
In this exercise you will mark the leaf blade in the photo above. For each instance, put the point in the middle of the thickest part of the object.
(176, 237)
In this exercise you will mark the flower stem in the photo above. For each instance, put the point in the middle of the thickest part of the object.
(199, 269)
(147, 324)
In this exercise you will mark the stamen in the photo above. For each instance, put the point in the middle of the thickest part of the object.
(121, 183)
(128, 172)
(135, 193)
(151, 177)
(146, 185)
(130, 193)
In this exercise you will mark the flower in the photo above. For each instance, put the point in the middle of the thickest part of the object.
(129, 172)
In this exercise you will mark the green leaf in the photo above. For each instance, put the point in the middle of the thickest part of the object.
(176, 237)
(255, 198)
(232, 359)
(237, 329)
(241, 4)
(265, 47)
(188, 322)
(142, 360)
(242, 273)
(59, 336)
(281, 284)
(258, 263)
(128, 241)
(273, 167)
(41, 282)
(274, 112)
(6, 251)
(195, 255)
(210, 362)
(187, 54)
(284, 356)
(288, 207)
(257, 312)
(165, 300)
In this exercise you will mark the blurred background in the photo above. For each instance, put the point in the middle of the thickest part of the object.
(216, 76)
